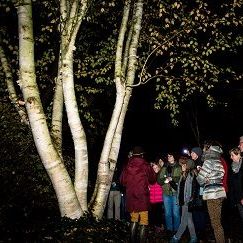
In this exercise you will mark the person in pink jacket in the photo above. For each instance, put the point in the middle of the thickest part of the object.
(156, 202)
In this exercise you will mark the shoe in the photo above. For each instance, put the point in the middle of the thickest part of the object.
(193, 240)
(174, 239)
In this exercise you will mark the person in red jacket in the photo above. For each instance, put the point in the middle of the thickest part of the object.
(136, 177)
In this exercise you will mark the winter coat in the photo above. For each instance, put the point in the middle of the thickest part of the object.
(174, 172)
(155, 193)
(189, 188)
(136, 177)
(211, 174)
(236, 186)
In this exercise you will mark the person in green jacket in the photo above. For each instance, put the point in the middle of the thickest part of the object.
(168, 178)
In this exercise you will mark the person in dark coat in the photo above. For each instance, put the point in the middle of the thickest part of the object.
(199, 216)
(136, 177)
(236, 180)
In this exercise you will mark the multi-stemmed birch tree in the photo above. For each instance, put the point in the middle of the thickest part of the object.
(72, 196)
(183, 38)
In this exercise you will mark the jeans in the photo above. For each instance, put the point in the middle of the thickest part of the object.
(172, 213)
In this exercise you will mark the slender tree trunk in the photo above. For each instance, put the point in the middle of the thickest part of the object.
(74, 13)
(11, 89)
(113, 137)
(68, 202)
(57, 112)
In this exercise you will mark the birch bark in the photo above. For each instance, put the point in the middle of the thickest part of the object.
(123, 88)
(67, 199)
(72, 14)
(11, 89)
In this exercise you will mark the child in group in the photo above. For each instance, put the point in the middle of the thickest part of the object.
(185, 193)
(156, 202)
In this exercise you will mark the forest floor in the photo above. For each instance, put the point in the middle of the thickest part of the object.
(37, 228)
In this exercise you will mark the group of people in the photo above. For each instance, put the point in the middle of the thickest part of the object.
(174, 194)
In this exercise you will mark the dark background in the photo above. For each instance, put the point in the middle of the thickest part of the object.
(153, 129)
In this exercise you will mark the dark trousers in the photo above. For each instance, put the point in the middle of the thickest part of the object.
(156, 214)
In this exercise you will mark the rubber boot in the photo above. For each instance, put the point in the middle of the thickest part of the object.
(133, 232)
(142, 233)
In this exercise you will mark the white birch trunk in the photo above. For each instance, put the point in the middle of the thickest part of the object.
(11, 89)
(67, 199)
(57, 113)
(71, 26)
(113, 138)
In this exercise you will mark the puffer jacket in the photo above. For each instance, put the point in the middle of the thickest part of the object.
(211, 174)
(156, 193)
(136, 177)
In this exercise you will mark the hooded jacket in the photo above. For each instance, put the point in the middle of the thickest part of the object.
(136, 177)
(211, 174)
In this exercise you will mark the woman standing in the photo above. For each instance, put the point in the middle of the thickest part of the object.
(211, 176)
(236, 180)
(169, 177)
(185, 194)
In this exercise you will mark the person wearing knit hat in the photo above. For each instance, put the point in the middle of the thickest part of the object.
(199, 216)
(197, 151)
(196, 154)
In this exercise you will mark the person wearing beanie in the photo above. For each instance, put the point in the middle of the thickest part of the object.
(185, 194)
(196, 154)
(136, 177)
(199, 216)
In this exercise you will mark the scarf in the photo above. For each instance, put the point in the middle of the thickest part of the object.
(236, 166)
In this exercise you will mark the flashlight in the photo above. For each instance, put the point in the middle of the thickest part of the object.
(185, 151)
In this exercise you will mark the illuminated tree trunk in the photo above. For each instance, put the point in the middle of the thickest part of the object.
(11, 89)
(67, 199)
(76, 12)
(124, 78)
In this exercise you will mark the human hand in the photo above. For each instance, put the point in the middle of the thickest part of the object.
(199, 167)
(241, 201)
(168, 179)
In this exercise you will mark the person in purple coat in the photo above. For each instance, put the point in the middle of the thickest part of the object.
(136, 177)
